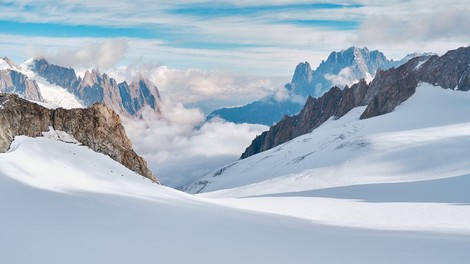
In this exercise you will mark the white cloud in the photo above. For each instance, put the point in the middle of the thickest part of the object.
(344, 77)
(194, 85)
(179, 151)
(281, 94)
(101, 54)
(396, 27)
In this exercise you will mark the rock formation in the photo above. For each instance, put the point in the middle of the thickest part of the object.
(12, 81)
(387, 90)
(97, 127)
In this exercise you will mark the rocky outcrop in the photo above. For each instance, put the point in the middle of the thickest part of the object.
(12, 81)
(94, 87)
(387, 90)
(97, 127)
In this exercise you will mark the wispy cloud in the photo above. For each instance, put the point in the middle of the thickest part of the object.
(248, 36)
(102, 54)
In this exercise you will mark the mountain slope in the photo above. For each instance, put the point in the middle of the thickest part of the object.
(341, 68)
(61, 208)
(426, 137)
(388, 89)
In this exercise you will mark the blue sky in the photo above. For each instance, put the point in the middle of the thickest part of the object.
(256, 37)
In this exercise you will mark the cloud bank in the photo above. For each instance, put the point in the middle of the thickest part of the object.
(193, 86)
(180, 147)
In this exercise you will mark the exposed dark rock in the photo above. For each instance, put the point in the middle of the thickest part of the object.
(97, 127)
(61, 76)
(387, 90)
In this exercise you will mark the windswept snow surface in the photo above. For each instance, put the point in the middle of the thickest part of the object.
(63, 203)
(384, 190)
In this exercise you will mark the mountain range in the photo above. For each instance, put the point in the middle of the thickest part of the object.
(341, 68)
(35, 79)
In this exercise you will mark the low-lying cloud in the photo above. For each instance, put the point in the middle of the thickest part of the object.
(180, 147)
(193, 86)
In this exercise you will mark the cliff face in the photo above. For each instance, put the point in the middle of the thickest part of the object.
(97, 127)
(387, 90)
(95, 87)
(15, 82)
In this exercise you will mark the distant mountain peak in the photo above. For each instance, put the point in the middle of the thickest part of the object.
(302, 74)
(341, 68)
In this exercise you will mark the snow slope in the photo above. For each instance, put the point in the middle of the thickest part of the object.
(427, 137)
(63, 203)
(54, 96)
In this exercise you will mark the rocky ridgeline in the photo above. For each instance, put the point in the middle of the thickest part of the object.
(387, 90)
(12, 81)
(97, 127)
(95, 87)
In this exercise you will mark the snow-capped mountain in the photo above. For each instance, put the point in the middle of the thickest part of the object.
(14, 80)
(96, 87)
(40, 81)
(388, 89)
(341, 68)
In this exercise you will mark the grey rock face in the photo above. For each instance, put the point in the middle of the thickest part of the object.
(97, 127)
(15, 82)
(388, 89)
(100, 88)
(340, 68)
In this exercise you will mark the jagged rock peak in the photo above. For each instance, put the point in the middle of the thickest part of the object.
(12, 81)
(302, 74)
(97, 127)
